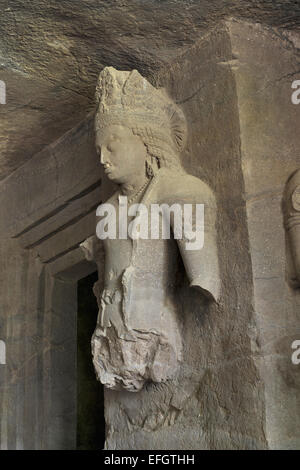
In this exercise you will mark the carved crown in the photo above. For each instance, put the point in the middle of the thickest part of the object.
(127, 98)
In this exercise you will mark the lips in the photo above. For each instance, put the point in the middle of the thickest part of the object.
(107, 168)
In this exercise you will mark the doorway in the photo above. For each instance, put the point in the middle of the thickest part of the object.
(90, 393)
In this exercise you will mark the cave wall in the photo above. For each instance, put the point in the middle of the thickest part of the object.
(48, 209)
(267, 63)
(20, 328)
(217, 401)
(237, 388)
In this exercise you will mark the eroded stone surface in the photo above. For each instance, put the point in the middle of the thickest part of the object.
(237, 387)
(267, 64)
(51, 53)
(138, 337)
(217, 399)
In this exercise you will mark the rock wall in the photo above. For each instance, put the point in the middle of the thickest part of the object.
(237, 388)
(48, 208)
(267, 62)
(217, 401)
(21, 329)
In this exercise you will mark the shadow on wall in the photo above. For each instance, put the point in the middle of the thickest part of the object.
(90, 396)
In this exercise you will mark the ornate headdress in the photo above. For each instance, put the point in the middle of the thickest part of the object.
(128, 99)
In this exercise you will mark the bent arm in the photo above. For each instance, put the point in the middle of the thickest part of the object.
(201, 265)
(200, 257)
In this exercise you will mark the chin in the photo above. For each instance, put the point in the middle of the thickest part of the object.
(113, 178)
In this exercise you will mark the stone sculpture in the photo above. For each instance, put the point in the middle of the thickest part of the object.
(292, 224)
(140, 133)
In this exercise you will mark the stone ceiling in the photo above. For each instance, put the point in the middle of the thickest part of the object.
(52, 51)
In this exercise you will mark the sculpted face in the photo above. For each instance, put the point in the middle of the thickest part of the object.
(122, 154)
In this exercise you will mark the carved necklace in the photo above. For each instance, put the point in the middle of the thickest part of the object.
(138, 192)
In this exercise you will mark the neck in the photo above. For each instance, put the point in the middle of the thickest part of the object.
(133, 185)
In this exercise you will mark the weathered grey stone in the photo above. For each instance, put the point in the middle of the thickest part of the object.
(50, 55)
(267, 64)
(59, 174)
(217, 400)
(36, 113)
(137, 338)
(237, 387)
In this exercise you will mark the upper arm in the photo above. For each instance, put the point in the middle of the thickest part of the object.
(198, 248)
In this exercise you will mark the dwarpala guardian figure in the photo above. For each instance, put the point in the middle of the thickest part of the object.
(140, 133)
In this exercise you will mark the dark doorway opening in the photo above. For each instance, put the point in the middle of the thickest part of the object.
(90, 396)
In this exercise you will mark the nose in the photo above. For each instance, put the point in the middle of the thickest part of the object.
(103, 156)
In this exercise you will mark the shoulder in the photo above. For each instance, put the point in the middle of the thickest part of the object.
(174, 186)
